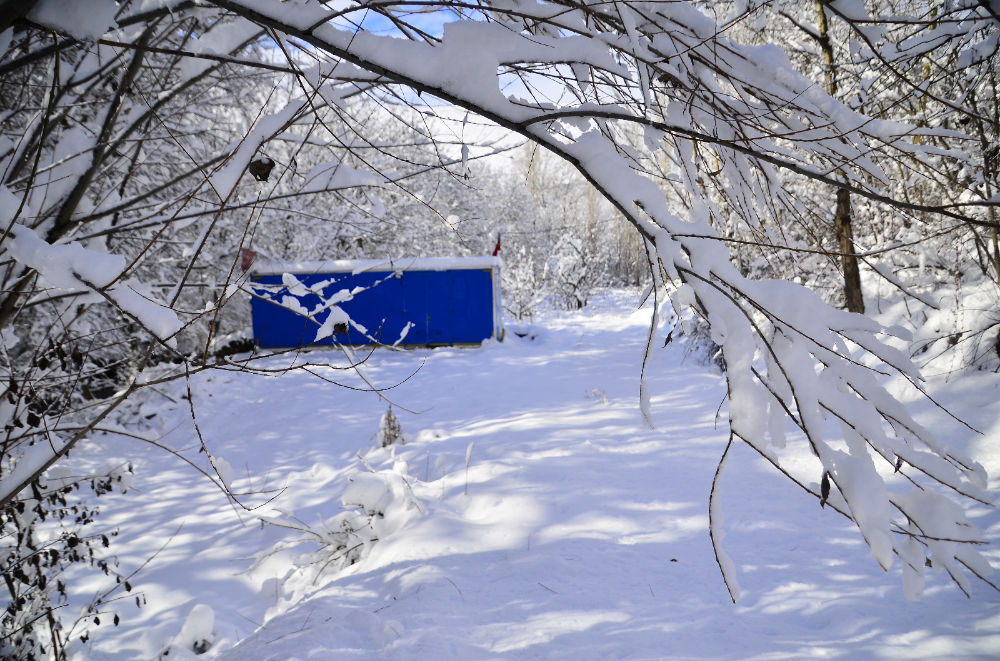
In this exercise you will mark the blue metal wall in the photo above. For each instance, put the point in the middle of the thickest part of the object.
(445, 307)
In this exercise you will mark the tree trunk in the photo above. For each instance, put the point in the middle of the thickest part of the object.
(842, 222)
(845, 237)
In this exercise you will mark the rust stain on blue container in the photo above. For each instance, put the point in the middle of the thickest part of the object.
(445, 305)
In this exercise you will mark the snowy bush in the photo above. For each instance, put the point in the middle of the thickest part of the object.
(698, 343)
(42, 538)
(377, 504)
(390, 430)
(195, 638)
(566, 270)
(522, 285)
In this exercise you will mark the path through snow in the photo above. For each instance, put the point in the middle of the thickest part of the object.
(583, 535)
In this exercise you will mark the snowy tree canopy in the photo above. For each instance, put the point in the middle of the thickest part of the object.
(704, 138)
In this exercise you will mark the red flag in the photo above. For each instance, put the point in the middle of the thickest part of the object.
(246, 259)
(496, 251)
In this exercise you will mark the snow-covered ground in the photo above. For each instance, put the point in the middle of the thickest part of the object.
(583, 535)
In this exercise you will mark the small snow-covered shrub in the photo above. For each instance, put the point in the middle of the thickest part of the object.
(195, 638)
(44, 534)
(694, 333)
(567, 274)
(377, 505)
(522, 284)
(698, 343)
(390, 430)
(961, 333)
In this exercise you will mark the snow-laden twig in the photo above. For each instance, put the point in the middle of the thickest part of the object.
(715, 531)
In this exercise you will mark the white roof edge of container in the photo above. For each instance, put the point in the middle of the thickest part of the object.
(366, 265)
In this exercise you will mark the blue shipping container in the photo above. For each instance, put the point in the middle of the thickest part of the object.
(436, 301)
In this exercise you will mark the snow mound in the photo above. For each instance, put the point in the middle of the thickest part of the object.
(378, 504)
(196, 637)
